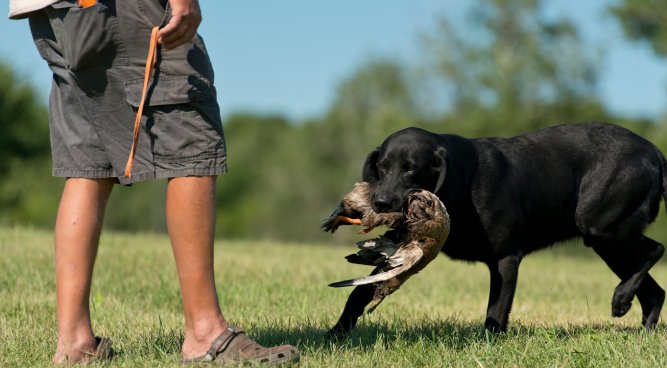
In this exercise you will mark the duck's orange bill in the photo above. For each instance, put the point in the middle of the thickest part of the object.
(87, 3)
(150, 62)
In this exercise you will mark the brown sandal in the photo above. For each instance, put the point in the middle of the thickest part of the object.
(233, 347)
(104, 352)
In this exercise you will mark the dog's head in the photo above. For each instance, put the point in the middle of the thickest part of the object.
(408, 160)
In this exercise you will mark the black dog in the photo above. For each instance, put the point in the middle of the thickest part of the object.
(508, 197)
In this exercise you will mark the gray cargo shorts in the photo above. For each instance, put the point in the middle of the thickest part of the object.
(98, 58)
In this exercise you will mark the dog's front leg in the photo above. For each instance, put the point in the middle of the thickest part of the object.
(354, 308)
(504, 274)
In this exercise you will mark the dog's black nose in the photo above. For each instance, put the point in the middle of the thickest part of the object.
(383, 203)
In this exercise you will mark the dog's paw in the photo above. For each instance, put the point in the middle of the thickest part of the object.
(620, 305)
(493, 326)
(336, 334)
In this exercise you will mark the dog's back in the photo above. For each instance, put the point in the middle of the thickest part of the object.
(585, 179)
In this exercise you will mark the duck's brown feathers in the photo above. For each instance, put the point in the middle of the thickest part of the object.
(404, 251)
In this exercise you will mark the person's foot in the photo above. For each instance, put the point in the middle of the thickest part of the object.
(75, 351)
(197, 343)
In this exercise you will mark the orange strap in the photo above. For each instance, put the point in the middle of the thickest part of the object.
(150, 62)
(87, 3)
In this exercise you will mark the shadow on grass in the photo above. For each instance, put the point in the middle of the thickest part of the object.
(389, 331)
(451, 333)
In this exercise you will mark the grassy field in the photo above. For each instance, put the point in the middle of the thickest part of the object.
(278, 293)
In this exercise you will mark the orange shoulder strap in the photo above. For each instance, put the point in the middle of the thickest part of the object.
(87, 3)
(150, 62)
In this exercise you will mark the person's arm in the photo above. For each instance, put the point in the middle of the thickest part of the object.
(182, 27)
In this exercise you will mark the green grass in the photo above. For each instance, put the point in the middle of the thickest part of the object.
(278, 294)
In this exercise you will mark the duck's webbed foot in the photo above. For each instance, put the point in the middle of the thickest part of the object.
(367, 230)
(343, 219)
(332, 223)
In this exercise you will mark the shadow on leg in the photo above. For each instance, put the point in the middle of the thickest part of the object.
(629, 268)
(354, 308)
(504, 274)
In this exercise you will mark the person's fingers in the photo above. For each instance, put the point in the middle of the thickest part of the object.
(189, 34)
(181, 34)
(182, 27)
(174, 23)
(176, 34)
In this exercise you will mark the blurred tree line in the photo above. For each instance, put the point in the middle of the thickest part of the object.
(505, 70)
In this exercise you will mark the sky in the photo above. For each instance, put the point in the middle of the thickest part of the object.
(287, 57)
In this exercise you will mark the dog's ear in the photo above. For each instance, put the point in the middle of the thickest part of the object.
(441, 167)
(370, 172)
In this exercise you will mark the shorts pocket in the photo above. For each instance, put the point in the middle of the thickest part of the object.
(92, 37)
(179, 120)
(169, 90)
(178, 135)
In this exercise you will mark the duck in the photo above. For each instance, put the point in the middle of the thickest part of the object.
(415, 241)
(356, 209)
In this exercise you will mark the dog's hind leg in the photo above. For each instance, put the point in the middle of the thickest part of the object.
(360, 297)
(651, 296)
(647, 252)
(504, 274)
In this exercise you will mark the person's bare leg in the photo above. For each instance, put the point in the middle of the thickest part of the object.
(77, 236)
(191, 223)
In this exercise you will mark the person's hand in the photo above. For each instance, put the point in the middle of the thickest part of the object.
(182, 27)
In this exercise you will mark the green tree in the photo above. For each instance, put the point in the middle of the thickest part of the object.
(508, 69)
(24, 122)
(374, 102)
(27, 192)
(644, 20)
(284, 178)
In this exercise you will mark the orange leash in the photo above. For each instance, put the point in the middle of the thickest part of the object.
(150, 62)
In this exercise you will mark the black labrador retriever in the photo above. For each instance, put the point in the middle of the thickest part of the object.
(508, 197)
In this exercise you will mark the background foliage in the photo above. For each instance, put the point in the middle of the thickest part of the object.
(506, 70)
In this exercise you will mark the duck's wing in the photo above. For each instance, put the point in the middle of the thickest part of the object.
(374, 252)
(377, 248)
(401, 261)
(356, 259)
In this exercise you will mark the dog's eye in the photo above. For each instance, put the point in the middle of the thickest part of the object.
(411, 167)
(383, 167)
